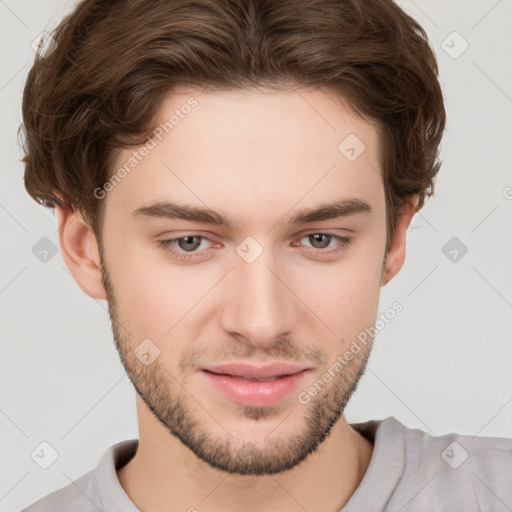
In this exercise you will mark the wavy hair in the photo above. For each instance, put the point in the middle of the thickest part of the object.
(113, 62)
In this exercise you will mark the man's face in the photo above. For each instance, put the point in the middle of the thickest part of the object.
(260, 291)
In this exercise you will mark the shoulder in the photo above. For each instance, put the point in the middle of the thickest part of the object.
(487, 456)
(455, 470)
(97, 490)
(78, 495)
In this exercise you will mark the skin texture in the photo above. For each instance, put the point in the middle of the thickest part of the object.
(257, 157)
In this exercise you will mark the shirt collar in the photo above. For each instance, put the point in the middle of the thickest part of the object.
(380, 480)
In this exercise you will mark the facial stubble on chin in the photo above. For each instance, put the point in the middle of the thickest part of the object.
(179, 412)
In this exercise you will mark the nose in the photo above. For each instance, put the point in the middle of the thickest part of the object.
(260, 306)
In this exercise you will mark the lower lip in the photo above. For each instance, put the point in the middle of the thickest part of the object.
(255, 393)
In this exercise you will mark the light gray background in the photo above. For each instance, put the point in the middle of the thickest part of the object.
(443, 365)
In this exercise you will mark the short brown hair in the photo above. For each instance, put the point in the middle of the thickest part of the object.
(114, 62)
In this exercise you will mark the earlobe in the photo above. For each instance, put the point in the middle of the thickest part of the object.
(396, 255)
(80, 251)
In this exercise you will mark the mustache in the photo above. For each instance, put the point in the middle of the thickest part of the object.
(282, 350)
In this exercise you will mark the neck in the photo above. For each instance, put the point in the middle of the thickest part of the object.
(166, 475)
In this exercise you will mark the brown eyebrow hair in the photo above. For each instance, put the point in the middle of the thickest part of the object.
(169, 210)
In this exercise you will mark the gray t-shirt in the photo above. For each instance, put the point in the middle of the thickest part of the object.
(410, 471)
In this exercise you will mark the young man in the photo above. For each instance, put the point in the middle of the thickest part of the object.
(289, 143)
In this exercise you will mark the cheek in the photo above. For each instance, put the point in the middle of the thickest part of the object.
(148, 293)
(346, 296)
(358, 302)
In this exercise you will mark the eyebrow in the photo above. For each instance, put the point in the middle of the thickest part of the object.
(169, 210)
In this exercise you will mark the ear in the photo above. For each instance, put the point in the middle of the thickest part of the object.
(396, 255)
(80, 251)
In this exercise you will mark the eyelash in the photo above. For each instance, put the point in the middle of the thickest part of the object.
(343, 241)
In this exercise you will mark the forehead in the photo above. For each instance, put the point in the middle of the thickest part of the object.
(247, 150)
(286, 123)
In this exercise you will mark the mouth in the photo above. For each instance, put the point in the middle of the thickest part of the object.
(268, 379)
(255, 386)
(261, 373)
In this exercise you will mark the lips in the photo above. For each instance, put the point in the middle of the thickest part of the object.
(256, 373)
(254, 386)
